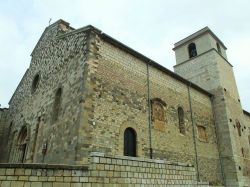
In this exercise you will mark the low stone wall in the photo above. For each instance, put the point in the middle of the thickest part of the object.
(103, 171)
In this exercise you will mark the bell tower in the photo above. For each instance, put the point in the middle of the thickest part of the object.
(201, 58)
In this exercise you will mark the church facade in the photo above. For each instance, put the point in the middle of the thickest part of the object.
(86, 93)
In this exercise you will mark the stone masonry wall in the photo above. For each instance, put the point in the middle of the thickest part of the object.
(5, 128)
(246, 134)
(59, 60)
(103, 171)
(214, 73)
(120, 101)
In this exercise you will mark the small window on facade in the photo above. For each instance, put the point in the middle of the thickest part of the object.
(130, 142)
(57, 104)
(218, 47)
(238, 127)
(242, 152)
(181, 120)
(35, 83)
(157, 110)
(192, 50)
(202, 134)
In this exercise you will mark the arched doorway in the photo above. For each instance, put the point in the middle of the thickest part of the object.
(21, 145)
(130, 142)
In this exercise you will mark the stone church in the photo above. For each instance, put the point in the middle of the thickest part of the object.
(90, 111)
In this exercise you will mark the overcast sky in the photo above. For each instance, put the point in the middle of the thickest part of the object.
(150, 27)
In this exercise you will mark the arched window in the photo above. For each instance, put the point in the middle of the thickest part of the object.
(57, 104)
(35, 83)
(130, 142)
(238, 127)
(192, 50)
(21, 146)
(181, 120)
(218, 47)
(202, 134)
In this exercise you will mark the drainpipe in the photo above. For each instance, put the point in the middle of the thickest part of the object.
(149, 115)
(193, 128)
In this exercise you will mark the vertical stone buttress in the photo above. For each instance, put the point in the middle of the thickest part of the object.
(210, 69)
(86, 126)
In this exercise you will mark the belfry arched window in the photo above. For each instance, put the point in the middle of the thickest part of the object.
(57, 104)
(21, 146)
(218, 47)
(130, 142)
(181, 120)
(192, 50)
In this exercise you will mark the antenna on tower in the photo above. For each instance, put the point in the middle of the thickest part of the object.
(49, 20)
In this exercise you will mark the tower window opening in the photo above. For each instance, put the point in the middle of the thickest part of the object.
(192, 50)
(218, 47)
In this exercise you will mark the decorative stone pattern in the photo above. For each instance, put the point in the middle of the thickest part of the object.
(103, 171)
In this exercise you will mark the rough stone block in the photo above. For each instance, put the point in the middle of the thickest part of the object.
(43, 178)
(10, 171)
(75, 179)
(23, 178)
(51, 178)
(2, 171)
(17, 184)
(12, 178)
(27, 184)
(60, 184)
(76, 173)
(84, 179)
(36, 184)
(77, 185)
(59, 179)
(27, 172)
(47, 184)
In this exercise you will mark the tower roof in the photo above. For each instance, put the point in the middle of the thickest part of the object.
(196, 35)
